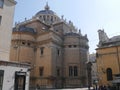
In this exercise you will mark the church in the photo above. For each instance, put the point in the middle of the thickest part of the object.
(108, 59)
(56, 50)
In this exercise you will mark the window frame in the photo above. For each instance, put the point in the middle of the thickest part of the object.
(70, 71)
(109, 74)
(1, 78)
(0, 20)
(58, 52)
(42, 51)
(58, 72)
(41, 71)
(2, 3)
(73, 71)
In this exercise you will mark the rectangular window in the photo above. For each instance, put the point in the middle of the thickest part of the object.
(41, 71)
(0, 19)
(1, 78)
(51, 18)
(1, 3)
(70, 71)
(58, 52)
(58, 72)
(75, 71)
(42, 50)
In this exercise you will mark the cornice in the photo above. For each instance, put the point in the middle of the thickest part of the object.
(16, 64)
(21, 33)
(13, 1)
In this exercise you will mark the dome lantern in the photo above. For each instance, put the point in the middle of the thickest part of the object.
(47, 7)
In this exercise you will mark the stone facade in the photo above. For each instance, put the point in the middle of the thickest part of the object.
(54, 48)
(92, 59)
(6, 23)
(14, 75)
(108, 58)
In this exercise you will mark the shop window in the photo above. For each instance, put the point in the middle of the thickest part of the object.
(20, 79)
(1, 3)
(1, 78)
(41, 71)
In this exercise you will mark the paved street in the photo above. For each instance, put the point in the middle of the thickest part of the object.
(68, 89)
(75, 89)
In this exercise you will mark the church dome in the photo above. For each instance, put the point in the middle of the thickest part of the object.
(47, 16)
(45, 12)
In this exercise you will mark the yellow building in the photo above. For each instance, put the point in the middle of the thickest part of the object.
(108, 58)
(53, 47)
(6, 23)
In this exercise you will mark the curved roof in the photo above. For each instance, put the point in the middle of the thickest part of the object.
(71, 34)
(115, 38)
(24, 29)
(46, 11)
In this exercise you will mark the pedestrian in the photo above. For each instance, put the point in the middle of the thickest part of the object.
(37, 87)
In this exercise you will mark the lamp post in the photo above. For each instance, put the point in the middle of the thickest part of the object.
(96, 82)
(89, 64)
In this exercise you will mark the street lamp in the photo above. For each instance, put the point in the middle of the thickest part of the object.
(96, 82)
(89, 64)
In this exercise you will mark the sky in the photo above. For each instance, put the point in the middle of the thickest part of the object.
(87, 15)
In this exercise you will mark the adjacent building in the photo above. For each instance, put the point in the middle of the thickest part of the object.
(108, 59)
(13, 75)
(54, 48)
(92, 59)
(6, 23)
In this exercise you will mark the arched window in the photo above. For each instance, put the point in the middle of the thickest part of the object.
(109, 74)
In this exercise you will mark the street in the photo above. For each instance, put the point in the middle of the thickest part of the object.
(75, 89)
(67, 89)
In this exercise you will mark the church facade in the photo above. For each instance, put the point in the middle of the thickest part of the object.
(108, 59)
(56, 51)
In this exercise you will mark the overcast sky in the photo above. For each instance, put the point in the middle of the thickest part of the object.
(87, 15)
